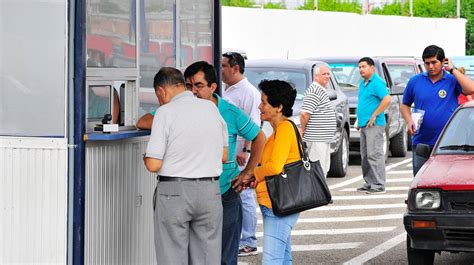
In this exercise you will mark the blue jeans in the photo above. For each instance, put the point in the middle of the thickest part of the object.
(277, 237)
(231, 226)
(417, 161)
(249, 218)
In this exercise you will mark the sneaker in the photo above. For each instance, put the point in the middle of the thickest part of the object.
(247, 251)
(363, 189)
(375, 191)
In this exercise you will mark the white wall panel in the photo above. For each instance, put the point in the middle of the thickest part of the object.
(267, 33)
(33, 200)
(119, 214)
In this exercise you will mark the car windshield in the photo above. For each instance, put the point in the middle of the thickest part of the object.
(297, 78)
(347, 74)
(458, 136)
(401, 73)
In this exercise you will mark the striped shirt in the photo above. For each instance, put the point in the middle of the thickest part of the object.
(321, 125)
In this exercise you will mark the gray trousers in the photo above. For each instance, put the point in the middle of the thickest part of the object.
(372, 158)
(188, 222)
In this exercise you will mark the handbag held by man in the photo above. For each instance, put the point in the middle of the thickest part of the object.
(301, 185)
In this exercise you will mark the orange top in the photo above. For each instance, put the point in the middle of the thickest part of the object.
(280, 148)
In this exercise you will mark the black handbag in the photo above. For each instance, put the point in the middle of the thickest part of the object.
(301, 185)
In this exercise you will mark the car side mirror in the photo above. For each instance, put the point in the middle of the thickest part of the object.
(397, 90)
(331, 94)
(423, 150)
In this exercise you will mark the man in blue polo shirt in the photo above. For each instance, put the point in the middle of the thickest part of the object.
(373, 100)
(201, 79)
(436, 93)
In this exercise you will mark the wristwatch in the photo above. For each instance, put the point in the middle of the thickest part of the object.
(246, 150)
(452, 68)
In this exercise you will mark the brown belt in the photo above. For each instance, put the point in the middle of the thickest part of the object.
(165, 178)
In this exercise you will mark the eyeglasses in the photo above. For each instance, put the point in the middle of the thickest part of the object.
(190, 86)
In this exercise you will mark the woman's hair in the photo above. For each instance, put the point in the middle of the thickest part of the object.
(279, 93)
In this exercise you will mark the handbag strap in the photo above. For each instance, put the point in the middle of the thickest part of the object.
(301, 145)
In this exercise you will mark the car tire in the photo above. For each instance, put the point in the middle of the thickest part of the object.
(398, 144)
(340, 159)
(419, 256)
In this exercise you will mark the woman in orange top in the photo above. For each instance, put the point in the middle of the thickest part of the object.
(280, 148)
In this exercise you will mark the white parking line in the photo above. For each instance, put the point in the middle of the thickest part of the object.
(386, 188)
(409, 165)
(400, 180)
(344, 231)
(360, 207)
(378, 250)
(358, 178)
(346, 219)
(369, 197)
(314, 247)
(401, 172)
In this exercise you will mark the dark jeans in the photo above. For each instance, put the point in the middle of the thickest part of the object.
(231, 226)
(418, 161)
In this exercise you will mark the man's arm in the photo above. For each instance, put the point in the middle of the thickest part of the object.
(152, 164)
(381, 108)
(464, 81)
(225, 154)
(406, 113)
(255, 157)
(145, 122)
(304, 118)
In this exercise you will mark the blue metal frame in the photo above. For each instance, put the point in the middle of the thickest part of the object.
(79, 129)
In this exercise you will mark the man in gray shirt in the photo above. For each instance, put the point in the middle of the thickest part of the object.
(186, 149)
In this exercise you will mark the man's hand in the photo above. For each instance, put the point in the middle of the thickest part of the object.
(242, 181)
(448, 64)
(242, 158)
(411, 128)
(371, 121)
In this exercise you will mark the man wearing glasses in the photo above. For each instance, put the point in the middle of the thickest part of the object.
(201, 80)
(238, 90)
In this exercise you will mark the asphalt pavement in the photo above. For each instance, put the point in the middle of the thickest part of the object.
(357, 228)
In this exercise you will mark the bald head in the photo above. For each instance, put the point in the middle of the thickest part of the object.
(321, 75)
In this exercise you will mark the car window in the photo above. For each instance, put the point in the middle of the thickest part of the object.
(401, 73)
(459, 134)
(346, 74)
(295, 77)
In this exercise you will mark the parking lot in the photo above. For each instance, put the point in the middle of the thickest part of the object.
(357, 228)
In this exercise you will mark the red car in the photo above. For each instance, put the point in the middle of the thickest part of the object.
(440, 214)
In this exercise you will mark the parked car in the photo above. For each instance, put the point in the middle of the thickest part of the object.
(440, 205)
(300, 74)
(395, 71)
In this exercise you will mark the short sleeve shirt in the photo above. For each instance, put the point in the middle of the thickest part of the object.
(238, 124)
(188, 134)
(370, 97)
(438, 100)
(322, 122)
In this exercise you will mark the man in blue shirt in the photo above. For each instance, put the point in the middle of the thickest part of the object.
(436, 93)
(373, 100)
(201, 80)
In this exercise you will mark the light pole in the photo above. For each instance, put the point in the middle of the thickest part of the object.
(458, 8)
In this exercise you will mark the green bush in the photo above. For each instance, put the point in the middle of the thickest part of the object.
(271, 5)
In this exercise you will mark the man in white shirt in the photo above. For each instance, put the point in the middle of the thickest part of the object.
(188, 143)
(239, 91)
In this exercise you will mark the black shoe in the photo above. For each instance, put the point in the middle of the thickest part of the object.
(376, 191)
(363, 189)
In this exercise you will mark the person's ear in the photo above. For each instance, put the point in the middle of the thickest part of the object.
(213, 87)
